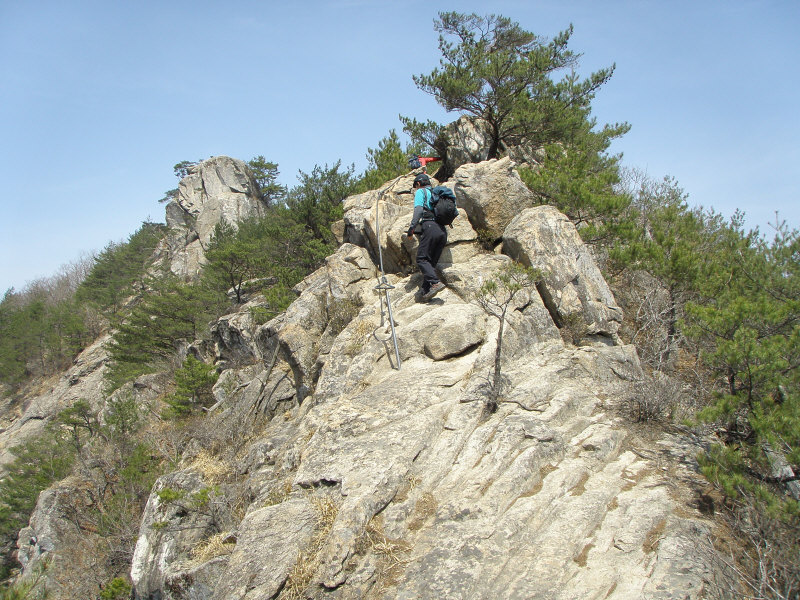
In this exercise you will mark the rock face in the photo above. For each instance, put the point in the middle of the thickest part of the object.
(372, 479)
(468, 140)
(83, 381)
(492, 194)
(217, 189)
(573, 286)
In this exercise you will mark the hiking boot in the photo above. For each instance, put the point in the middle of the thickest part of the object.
(435, 289)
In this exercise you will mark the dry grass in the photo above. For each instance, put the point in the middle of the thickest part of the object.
(580, 487)
(212, 469)
(654, 537)
(424, 509)
(537, 487)
(307, 563)
(633, 479)
(583, 557)
(392, 554)
(411, 482)
(279, 493)
(359, 335)
(216, 545)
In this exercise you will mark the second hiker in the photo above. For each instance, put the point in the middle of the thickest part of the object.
(432, 237)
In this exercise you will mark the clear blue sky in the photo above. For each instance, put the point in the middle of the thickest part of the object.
(100, 99)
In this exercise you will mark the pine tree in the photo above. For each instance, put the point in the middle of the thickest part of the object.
(317, 201)
(170, 313)
(117, 267)
(193, 384)
(266, 176)
(386, 162)
(580, 178)
(496, 297)
(493, 69)
(747, 319)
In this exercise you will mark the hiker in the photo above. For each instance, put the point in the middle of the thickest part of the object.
(432, 237)
(415, 162)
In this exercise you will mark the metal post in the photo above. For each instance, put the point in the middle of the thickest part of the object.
(384, 285)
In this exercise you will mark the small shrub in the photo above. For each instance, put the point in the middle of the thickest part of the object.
(30, 587)
(573, 328)
(486, 239)
(655, 399)
(361, 330)
(261, 314)
(117, 589)
(193, 382)
(341, 312)
(169, 495)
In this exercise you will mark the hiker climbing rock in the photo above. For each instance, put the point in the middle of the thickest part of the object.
(432, 237)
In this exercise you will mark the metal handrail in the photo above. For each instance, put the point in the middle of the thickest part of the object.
(384, 286)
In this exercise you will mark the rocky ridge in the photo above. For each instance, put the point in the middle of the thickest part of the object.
(370, 480)
(346, 475)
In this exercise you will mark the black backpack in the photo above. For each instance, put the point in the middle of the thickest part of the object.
(443, 205)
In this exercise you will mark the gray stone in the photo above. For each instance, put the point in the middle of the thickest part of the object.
(260, 564)
(492, 194)
(215, 190)
(574, 288)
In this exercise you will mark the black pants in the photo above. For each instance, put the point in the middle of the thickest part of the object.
(431, 243)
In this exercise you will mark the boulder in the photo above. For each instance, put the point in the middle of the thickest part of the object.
(492, 194)
(469, 140)
(246, 578)
(233, 335)
(465, 141)
(573, 287)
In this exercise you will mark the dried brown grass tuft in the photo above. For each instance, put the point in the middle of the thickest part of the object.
(424, 509)
(654, 537)
(216, 545)
(211, 468)
(583, 557)
(307, 563)
(392, 554)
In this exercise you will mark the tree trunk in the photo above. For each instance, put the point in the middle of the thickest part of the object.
(671, 352)
(498, 354)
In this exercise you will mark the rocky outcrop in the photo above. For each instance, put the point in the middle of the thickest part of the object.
(82, 381)
(384, 480)
(215, 190)
(469, 140)
(573, 287)
(492, 194)
(343, 473)
(464, 141)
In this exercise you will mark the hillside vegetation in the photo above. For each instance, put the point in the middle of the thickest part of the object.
(712, 307)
